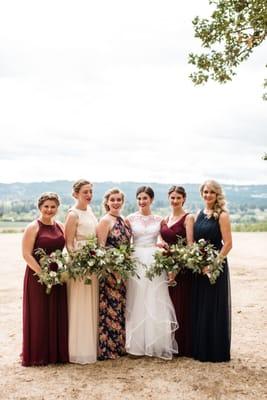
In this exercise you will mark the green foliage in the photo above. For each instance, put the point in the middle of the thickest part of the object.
(234, 30)
(257, 227)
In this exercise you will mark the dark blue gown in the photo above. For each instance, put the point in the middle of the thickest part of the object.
(211, 304)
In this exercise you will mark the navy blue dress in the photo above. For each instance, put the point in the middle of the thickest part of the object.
(211, 304)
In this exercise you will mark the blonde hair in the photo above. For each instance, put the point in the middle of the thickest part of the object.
(108, 194)
(76, 187)
(48, 196)
(220, 202)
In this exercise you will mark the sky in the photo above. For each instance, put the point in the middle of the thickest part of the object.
(100, 90)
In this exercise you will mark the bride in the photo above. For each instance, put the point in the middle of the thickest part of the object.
(150, 316)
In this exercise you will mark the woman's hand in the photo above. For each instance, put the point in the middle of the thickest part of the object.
(162, 245)
(205, 270)
(171, 278)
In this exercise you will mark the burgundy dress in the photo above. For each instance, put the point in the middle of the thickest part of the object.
(45, 318)
(181, 294)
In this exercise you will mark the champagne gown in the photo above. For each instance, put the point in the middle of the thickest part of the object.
(83, 300)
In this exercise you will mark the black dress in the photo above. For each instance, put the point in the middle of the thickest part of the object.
(211, 304)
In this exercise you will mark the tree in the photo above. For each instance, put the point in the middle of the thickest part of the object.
(234, 30)
(265, 156)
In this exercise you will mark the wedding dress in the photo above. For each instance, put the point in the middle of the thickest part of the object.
(150, 315)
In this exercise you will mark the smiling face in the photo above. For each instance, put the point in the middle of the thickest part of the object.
(115, 203)
(144, 202)
(48, 209)
(84, 195)
(209, 196)
(176, 200)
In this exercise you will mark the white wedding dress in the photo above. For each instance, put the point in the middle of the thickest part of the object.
(150, 315)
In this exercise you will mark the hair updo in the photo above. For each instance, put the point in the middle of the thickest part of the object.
(108, 194)
(48, 196)
(76, 187)
(179, 190)
(220, 202)
(146, 189)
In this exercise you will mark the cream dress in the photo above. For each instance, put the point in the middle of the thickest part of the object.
(83, 300)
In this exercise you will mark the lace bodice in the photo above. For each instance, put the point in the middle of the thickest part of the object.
(86, 225)
(145, 229)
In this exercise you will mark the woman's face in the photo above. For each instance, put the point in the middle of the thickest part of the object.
(144, 201)
(85, 194)
(176, 200)
(115, 203)
(209, 196)
(48, 209)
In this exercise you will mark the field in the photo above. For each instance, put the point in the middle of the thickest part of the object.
(244, 377)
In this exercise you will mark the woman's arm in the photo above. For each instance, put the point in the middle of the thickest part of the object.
(102, 231)
(28, 240)
(189, 228)
(70, 230)
(225, 226)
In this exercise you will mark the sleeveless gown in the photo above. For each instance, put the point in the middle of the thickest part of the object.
(211, 303)
(181, 294)
(112, 298)
(45, 318)
(83, 300)
(150, 316)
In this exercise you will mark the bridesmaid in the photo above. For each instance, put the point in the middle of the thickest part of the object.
(112, 231)
(181, 224)
(82, 299)
(45, 319)
(211, 303)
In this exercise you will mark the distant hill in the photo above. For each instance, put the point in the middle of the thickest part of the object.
(252, 196)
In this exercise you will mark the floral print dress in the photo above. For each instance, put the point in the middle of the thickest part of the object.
(112, 302)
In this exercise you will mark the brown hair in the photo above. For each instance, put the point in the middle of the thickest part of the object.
(220, 202)
(48, 196)
(76, 187)
(177, 189)
(146, 189)
(108, 194)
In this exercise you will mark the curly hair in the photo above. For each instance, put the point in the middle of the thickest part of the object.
(108, 194)
(220, 202)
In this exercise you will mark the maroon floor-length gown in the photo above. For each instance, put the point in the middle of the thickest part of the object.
(181, 294)
(45, 318)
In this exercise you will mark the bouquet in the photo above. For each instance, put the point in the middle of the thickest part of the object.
(167, 260)
(120, 261)
(86, 261)
(54, 268)
(101, 261)
(81, 264)
(203, 254)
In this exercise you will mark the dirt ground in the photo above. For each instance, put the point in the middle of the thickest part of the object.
(244, 377)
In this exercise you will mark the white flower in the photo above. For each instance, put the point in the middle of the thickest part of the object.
(100, 253)
(53, 274)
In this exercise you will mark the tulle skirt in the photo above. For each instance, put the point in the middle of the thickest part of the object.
(150, 315)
